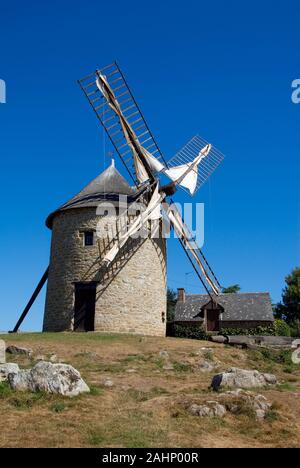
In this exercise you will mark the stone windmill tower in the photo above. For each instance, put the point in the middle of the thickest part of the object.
(103, 275)
(131, 296)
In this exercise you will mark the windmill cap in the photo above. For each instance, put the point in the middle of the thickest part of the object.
(106, 186)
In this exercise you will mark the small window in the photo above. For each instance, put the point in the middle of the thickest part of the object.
(88, 238)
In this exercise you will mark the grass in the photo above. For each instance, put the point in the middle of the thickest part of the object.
(140, 395)
(182, 367)
(5, 390)
(67, 337)
(208, 355)
(286, 387)
(58, 407)
(144, 408)
(131, 430)
(95, 391)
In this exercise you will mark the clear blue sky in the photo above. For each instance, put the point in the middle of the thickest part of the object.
(220, 69)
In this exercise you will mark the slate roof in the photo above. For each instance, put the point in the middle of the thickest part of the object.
(237, 307)
(106, 186)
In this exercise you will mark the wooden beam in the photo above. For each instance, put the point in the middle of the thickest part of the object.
(31, 301)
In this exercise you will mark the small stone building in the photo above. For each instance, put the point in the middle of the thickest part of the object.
(129, 296)
(243, 310)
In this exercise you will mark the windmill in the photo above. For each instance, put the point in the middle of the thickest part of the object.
(118, 112)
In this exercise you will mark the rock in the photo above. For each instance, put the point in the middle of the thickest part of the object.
(51, 378)
(210, 409)
(125, 388)
(241, 378)
(207, 366)
(2, 352)
(164, 354)
(206, 353)
(6, 369)
(270, 379)
(131, 371)
(19, 350)
(108, 383)
(204, 350)
(239, 401)
(40, 357)
(168, 366)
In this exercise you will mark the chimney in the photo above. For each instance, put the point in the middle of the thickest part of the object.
(181, 295)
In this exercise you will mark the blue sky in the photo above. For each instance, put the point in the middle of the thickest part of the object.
(220, 69)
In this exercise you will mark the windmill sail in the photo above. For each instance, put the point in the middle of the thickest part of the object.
(204, 167)
(193, 252)
(103, 104)
(131, 137)
(145, 163)
(186, 175)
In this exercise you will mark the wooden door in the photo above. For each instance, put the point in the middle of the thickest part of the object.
(212, 320)
(84, 315)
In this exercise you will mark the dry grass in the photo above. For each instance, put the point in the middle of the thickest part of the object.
(144, 407)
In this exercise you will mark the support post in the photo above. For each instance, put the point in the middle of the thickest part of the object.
(31, 301)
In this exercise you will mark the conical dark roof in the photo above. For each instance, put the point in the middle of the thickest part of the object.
(106, 186)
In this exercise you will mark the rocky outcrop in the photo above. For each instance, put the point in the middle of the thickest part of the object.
(210, 409)
(240, 401)
(51, 378)
(236, 402)
(241, 378)
(13, 349)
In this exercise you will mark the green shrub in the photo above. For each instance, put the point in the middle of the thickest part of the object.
(283, 356)
(182, 367)
(295, 329)
(190, 331)
(58, 407)
(263, 331)
(5, 390)
(282, 328)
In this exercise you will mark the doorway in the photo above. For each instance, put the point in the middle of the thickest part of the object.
(212, 320)
(84, 310)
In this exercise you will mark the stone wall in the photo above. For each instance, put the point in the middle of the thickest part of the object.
(134, 302)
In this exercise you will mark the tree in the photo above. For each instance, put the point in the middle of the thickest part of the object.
(171, 303)
(235, 288)
(289, 307)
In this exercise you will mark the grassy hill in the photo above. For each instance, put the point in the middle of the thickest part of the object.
(145, 407)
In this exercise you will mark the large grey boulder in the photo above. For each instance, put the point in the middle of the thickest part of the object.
(13, 349)
(6, 369)
(241, 378)
(51, 378)
(2, 352)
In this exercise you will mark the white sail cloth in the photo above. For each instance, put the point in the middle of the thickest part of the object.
(185, 175)
(153, 212)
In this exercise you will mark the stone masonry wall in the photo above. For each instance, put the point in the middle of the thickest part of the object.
(134, 302)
